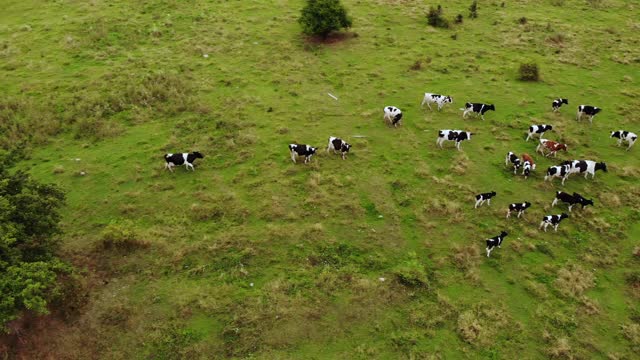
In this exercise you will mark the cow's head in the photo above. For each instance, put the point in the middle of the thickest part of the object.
(601, 166)
(596, 110)
(197, 155)
(615, 134)
(503, 234)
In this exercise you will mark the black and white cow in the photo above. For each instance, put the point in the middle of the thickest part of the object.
(625, 136)
(553, 220)
(477, 108)
(495, 241)
(588, 110)
(518, 207)
(392, 115)
(557, 103)
(185, 159)
(453, 135)
(561, 171)
(301, 150)
(337, 144)
(587, 167)
(571, 199)
(514, 160)
(441, 100)
(539, 130)
(481, 198)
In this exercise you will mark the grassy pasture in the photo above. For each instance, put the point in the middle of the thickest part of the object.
(253, 256)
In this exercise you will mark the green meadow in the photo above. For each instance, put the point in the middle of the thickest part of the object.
(379, 256)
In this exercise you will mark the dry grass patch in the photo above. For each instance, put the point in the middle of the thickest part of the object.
(573, 281)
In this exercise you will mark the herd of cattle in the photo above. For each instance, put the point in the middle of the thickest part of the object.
(393, 117)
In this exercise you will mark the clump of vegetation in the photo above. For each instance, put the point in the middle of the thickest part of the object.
(121, 236)
(459, 19)
(321, 17)
(523, 20)
(560, 349)
(29, 223)
(435, 18)
(574, 281)
(529, 72)
(473, 10)
(632, 333)
(411, 273)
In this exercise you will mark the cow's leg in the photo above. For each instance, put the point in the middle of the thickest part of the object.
(570, 206)
(478, 202)
(489, 251)
(541, 225)
(508, 213)
(555, 227)
(555, 201)
(489, 202)
(293, 157)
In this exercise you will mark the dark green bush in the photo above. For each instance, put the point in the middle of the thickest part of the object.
(473, 10)
(529, 72)
(435, 18)
(321, 17)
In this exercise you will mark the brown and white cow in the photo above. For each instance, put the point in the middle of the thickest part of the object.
(552, 146)
(527, 165)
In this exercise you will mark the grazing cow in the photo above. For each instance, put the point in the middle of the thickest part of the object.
(513, 159)
(337, 144)
(587, 167)
(557, 103)
(527, 165)
(561, 171)
(495, 241)
(187, 159)
(441, 100)
(625, 136)
(538, 129)
(552, 146)
(553, 220)
(477, 108)
(453, 135)
(571, 199)
(519, 207)
(481, 198)
(588, 110)
(301, 150)
(392, 115)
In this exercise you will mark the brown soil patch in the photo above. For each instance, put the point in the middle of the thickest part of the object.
(333, 38)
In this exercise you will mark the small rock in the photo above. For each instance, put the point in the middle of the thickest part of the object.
(82, 173)
(205, 55)
(251, 284)
(381, 279)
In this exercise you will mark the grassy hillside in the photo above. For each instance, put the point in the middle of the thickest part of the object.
(253, 256)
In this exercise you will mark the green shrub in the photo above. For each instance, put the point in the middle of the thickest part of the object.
(473, 10)
(435, 18)
(411, 273)
(529, 72)
(29, 222)
(321, 17)
(121, 236)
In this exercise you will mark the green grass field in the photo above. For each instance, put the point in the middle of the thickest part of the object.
(251, 256)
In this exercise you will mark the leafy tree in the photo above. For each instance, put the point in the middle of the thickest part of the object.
(321, 17)
(29, 221)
